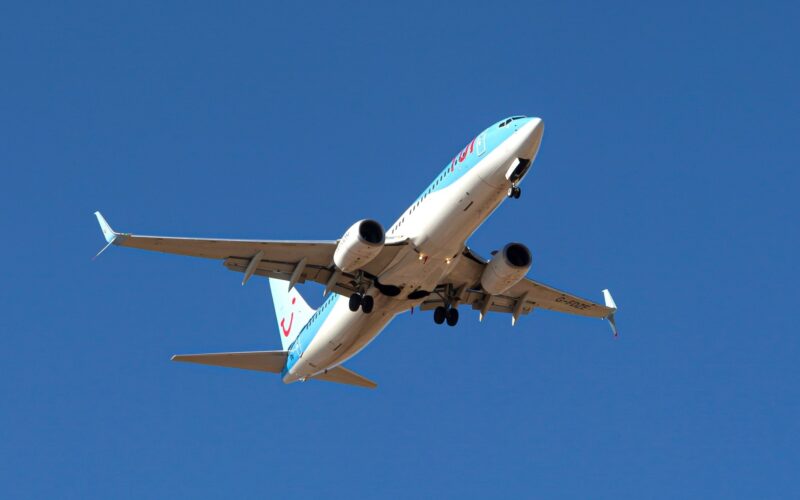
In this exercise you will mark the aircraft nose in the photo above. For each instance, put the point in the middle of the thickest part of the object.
(532, 130)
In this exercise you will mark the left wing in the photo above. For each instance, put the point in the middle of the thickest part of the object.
(293, 261)
(522, 298)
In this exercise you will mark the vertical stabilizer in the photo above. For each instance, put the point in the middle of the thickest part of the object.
(291, 310)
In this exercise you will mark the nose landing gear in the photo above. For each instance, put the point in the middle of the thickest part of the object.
(514, 192)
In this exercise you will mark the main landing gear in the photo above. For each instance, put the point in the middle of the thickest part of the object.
(514, 192)
(441, 313)
(360, 300)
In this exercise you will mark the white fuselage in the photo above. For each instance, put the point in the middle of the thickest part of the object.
(437, 226)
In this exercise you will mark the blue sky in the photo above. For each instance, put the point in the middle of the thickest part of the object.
(668, 173)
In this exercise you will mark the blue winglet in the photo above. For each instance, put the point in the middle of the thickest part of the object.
(109, 234)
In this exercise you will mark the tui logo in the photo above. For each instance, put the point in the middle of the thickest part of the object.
(286, 331)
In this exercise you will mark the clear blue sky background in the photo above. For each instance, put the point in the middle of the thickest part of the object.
(668, 173)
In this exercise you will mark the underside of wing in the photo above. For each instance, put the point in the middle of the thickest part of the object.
(520, 299)
(319, 271)
(294, 261)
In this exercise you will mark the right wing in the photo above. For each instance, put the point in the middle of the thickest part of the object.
(294, 261)
(520, 299)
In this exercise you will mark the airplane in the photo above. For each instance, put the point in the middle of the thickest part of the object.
(371, 275)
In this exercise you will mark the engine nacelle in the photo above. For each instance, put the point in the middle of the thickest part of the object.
(506, 268)
(359, 245)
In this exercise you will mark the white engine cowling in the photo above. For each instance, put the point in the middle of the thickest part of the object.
(359, 245)
(506, 268)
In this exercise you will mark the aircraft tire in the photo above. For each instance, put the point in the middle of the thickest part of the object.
(355, 302)
(452, 316)
(367, 303)
(439, 315)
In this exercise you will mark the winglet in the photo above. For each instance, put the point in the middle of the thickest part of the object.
(609, 299)
(612, 305)
(109, 234)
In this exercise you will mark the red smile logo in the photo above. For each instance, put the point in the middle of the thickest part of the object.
(288, 330)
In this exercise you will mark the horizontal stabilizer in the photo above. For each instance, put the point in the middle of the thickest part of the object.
(342, 375)
(263, 361)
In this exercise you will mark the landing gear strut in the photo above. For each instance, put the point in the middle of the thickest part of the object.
(514, 192)
(448, 311)
(359, 300)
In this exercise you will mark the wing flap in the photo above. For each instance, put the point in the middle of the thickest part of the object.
(317, 252)
(263, 361)
(467, 273)
(475, 299)
(280, 270)
(283, 271)
(545, 297)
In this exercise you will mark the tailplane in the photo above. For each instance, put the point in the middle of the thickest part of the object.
(291, 310)
(342, 375)
(263, 361)
(273, 362)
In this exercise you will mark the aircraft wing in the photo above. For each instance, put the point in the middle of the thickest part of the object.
(520, 299)
(293, 261)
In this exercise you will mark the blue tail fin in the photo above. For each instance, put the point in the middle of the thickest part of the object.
(291, 310)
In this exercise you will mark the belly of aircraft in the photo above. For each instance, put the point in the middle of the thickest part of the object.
(438, 231)
(343, 335)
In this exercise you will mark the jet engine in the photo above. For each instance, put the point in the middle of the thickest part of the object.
(359, 245)
(506, 268)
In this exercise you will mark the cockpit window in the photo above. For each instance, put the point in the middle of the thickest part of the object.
(509, 120)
